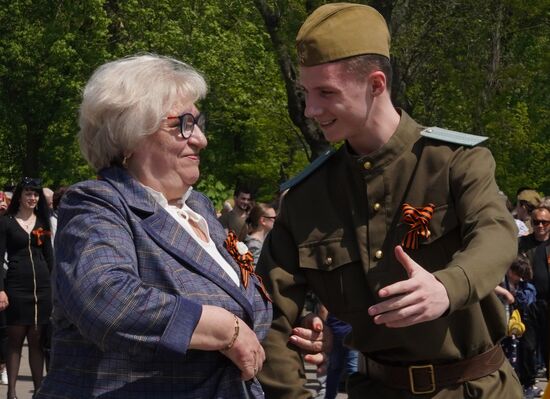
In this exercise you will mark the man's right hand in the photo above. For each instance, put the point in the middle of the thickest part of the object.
(315, 339)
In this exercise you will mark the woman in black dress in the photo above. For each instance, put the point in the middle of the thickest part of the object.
(25, 293)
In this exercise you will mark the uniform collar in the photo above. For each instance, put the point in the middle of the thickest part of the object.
(406, 133)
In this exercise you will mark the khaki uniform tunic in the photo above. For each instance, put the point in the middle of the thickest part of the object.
(336, 234)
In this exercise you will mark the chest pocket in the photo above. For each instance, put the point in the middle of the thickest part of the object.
(437, 250)
(335, 272)
(443, 221)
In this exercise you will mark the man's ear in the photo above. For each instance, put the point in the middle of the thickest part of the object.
(377, 82)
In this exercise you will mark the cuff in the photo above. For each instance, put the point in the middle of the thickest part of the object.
(180, 328)
(457, 284)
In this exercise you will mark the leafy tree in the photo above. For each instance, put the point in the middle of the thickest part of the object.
(46, 49)
(461, 64)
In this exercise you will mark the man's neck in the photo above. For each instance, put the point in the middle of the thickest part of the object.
(381, 125)
(239, 212)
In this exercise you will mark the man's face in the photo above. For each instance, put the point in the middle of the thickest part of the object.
(242, 201)
(336, 100)
(540, 220)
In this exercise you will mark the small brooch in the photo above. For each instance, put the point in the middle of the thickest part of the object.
(418, 220)
(239, 251)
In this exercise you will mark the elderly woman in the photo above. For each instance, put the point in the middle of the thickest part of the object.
(148, 301)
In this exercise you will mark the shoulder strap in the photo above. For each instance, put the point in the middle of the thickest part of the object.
(308, 170)
(450, 136)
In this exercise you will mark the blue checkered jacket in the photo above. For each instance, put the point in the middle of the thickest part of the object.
(128, 288)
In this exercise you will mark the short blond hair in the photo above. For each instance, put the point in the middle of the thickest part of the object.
(126, 100)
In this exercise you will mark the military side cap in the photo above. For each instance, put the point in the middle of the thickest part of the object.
(530, 196)
(341, 30)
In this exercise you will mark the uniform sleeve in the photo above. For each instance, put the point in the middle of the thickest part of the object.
(489, 234)
(99, 288)
(283, 375)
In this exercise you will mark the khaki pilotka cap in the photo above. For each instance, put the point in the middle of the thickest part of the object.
(340, 30)
(530, 196)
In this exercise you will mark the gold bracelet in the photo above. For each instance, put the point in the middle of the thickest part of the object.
(235, 335)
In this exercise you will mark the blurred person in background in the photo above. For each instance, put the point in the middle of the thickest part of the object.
(260, 222)
(48, 194)
(235, 219)
(3, 337)
(56, 198)
(3, 203)
(25, 294)
(527, 200)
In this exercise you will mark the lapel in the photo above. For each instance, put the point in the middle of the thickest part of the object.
(200, 204)
(174, 239)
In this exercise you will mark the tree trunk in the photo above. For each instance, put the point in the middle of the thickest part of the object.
(296, 103)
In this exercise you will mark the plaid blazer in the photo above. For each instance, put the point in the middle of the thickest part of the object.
(128, 289)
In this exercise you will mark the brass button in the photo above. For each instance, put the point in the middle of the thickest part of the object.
(328, 261)
(378, 254)
(367, 165)
(376, 207)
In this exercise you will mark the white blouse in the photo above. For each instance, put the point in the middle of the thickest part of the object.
(182, 214)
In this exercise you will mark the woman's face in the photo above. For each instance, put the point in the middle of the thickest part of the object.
(268, 219)
(29, 199)
(167, 162)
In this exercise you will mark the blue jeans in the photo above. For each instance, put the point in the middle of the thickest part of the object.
(341, 359)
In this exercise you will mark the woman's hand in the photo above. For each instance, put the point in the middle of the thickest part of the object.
(315, 338)
(246, 352)
(4, 303)
(216, 330)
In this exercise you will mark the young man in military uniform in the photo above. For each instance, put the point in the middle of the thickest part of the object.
(400, 233)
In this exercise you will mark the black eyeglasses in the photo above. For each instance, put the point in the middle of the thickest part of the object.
(270, 217)
(188, 122)
(31, 181)
(544, 223)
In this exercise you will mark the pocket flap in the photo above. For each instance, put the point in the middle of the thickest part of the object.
(328, 254)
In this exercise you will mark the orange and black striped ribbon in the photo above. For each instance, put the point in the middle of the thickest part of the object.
(245, 262)
(39, 232)
(418, 219)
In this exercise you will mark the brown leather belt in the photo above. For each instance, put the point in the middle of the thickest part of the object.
(427, 378)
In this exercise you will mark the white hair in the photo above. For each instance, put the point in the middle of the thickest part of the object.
(126, 100)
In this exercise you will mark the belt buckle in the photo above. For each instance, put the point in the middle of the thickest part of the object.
(430, 370)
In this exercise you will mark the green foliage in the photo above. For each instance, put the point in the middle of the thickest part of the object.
(47, 51)
(479, 67)
(215, 190)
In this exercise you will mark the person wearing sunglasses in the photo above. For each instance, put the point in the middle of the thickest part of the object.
(25, 293)
(260, 222)
(540, 224)
(533, 246)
